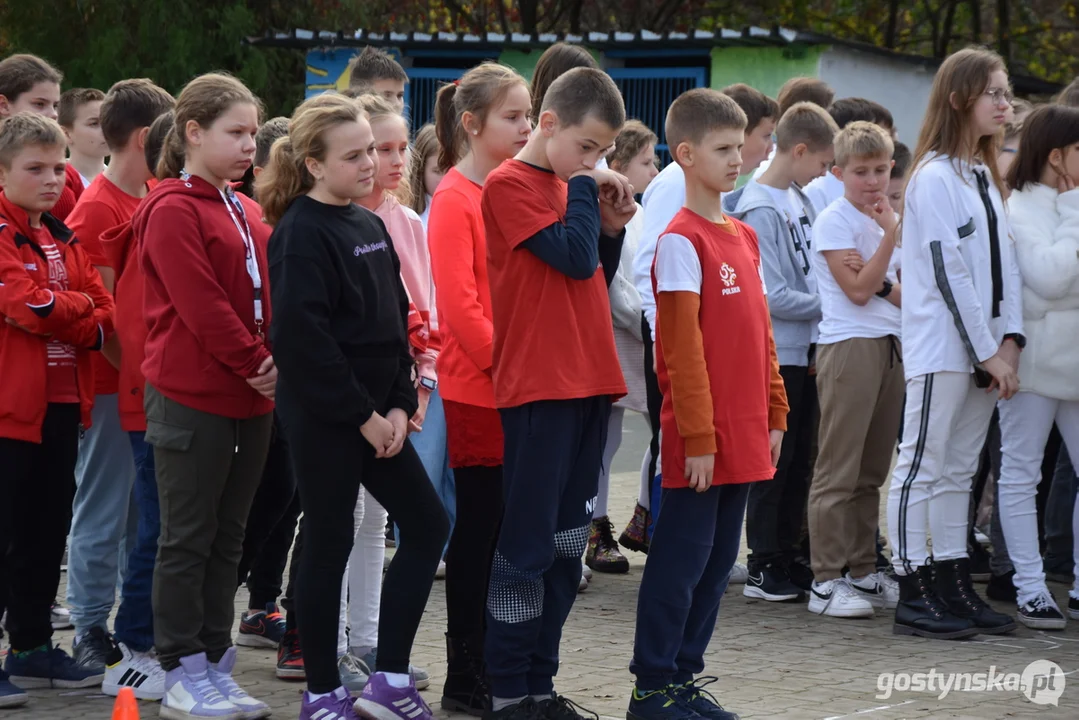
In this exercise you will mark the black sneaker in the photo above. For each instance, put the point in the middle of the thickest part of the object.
(562, 708)
(1073, 607)
(1041, 613)
(772, 583)
(659, 705)
(527, 709)
(92, 651)
(1002, 588)
(695, 697)
(800, 574)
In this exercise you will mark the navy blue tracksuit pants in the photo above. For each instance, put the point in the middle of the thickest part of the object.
(694, 546)
(554, 450)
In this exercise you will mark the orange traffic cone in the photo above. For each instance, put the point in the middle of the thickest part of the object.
(126, 708)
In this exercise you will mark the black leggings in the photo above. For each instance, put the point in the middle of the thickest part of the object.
(472, 547)
(331, 462)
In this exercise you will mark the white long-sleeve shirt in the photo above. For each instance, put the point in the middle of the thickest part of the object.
(949, 323)
(665, 196)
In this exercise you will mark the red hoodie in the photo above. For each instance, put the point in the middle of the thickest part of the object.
(202, 342)
(80, 316)
(121, 249)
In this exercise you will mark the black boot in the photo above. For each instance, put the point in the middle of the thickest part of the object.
(922, 613)
(955, 588)
(466, 688)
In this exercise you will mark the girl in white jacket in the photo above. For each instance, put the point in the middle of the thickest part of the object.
(962, 333)
(1044, 214)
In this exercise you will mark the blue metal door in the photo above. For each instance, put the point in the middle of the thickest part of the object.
(423, 87)
(648, 93)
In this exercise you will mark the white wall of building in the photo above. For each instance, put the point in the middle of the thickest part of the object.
(901, 86)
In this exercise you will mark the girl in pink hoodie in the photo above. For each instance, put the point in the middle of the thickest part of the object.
(428, 426)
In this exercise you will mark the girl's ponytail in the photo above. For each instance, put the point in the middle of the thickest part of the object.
(280, 182)
(171, 161)
(447, 128)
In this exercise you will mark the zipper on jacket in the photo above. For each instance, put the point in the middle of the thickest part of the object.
(236, 435)
(994, 241)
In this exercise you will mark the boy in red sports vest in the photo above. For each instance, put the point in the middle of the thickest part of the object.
(724, 410)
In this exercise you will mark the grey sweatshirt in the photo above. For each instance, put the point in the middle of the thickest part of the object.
(793, 300)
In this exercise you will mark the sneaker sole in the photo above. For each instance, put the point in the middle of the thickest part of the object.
(373, 711)
(451, 705)
(981, 577)
(251, 640)
(1044, 623)
(36, 683)
(1073, 614)
(290, 674)
(919, 632)
(751, 591)
(853, 613)
(255, 714)
(10, 701)
(421, 684)
(113, 689)
(169, 713)
(62, 625)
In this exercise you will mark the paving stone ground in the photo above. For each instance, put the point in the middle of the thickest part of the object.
(772, 661)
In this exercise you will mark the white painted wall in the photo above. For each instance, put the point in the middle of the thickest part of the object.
(902, 87)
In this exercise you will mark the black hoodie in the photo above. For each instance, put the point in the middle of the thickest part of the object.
(340, 314)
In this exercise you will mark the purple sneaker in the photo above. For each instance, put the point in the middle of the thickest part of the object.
(382, 701)
(190, 693)
(335, 706)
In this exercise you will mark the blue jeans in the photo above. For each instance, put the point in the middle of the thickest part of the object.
(135, 618)
(430, 445)
(103, 514)
(1058, 515)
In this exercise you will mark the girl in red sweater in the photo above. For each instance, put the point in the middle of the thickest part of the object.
(482, 120)
(210, 385)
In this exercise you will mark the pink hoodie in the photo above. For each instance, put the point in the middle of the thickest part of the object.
(410, 242)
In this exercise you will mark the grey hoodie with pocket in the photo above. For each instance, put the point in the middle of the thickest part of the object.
(793, 300)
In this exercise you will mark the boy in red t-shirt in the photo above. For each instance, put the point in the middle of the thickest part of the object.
(723, 416)
(551, 219)
(106, 476)
(53, 313)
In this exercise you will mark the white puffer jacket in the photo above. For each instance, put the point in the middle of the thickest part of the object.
(1045, 226)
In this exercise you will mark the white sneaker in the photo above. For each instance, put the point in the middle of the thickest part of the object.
(878, 588)
(836, 598)
(191, 695)
(139, 671)
(60, 617)
(586, 572)
(583, 585)
(221, 676)
(440, 573)
(739, 574)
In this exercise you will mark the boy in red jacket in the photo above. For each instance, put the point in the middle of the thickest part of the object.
(723, 416)
(55, 311)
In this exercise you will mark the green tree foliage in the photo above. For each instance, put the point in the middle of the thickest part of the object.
(96, 42)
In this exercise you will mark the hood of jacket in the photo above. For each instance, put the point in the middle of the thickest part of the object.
(754, 196)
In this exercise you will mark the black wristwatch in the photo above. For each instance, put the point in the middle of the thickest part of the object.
(886, 290)
(1019, 338)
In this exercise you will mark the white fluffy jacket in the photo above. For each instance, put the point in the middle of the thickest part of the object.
(1045, 226)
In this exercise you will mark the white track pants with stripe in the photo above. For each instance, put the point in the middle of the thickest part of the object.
(944, 430)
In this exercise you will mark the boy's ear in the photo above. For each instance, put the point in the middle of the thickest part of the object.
(67, 133)
(548, 122)
(5, 106)
(837, 172)
(139, 137)
(799, 151)
(684, 154)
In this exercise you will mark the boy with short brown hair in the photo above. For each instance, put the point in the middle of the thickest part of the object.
(80, 117)
(775, 206)
(553, 222)
(714, 352)
(376, 71)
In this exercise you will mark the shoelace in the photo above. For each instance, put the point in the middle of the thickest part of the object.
(1042, 602)
(566, 709)
(697, 687)
(606, 534)
(352, 664)
(207, 689)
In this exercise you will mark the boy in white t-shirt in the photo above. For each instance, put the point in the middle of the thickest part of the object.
(859, 377)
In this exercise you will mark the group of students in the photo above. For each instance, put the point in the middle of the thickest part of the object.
(446, 331)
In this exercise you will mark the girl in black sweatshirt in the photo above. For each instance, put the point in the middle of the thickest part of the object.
(345, 371)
